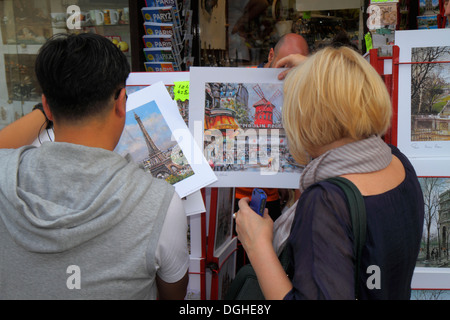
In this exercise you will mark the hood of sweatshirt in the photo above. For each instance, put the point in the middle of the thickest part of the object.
(60, 195)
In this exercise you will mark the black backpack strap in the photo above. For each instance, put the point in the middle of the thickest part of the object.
(358, 218)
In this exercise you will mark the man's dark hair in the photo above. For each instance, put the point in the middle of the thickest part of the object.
(78, 74)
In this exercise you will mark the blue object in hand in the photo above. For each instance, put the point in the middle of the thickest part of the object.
(258, 201)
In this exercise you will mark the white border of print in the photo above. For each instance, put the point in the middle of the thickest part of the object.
(428, 158)
(203, 175)
(199, 77)
(431, 279)
(149, 78)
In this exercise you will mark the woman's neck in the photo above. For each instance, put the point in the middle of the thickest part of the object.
(318, 151)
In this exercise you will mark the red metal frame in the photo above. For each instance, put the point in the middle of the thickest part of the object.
(391, 81)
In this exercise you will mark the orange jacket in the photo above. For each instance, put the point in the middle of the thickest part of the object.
(272, 194)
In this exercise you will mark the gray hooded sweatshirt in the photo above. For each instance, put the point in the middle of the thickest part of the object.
(78, 223)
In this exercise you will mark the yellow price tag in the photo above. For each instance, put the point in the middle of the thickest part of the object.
(368, 39)
(181, 90)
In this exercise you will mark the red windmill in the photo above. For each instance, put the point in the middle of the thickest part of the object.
(264, 109)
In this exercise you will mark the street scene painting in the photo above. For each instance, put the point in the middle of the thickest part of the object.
(431, 274)
(436, 233)
(239, 111)
(243, 128)
(430, 94)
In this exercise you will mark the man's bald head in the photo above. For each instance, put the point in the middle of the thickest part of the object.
(288, 44)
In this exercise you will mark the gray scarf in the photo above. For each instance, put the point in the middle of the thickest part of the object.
(363, 156)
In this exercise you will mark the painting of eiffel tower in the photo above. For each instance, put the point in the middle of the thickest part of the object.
(148, 140)
(158, 163)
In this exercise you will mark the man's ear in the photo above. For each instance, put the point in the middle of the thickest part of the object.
(271, 55)
(120, 104)
(47, 111)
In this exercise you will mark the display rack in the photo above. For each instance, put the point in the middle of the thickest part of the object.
(165, 38)
(425, 279)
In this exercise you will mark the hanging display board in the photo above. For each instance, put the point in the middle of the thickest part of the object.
(424, 108)
(422, 72)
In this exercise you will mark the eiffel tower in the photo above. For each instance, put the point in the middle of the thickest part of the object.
(159, 164)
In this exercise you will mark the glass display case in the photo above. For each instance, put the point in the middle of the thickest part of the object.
(241, 33)
(26, 24)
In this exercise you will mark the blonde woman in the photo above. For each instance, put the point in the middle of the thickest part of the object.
(335, 111)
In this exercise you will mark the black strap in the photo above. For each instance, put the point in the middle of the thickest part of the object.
(358, 218)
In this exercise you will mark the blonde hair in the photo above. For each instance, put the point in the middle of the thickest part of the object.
(334, 94)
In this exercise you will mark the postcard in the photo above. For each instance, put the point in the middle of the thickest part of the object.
(157, 138)
(161, 55)
(167, 14)
(158, 14)
(423, 105)
(160, 67)
(162, 41)
(162, 3)
(235, 116)
(163, 29)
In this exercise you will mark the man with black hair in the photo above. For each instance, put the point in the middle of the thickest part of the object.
(79, 221)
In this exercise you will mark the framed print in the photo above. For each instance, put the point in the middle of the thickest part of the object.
(235, 116)
(227, 269)
(156, 137)
(430, 295)
(432, 270)
(219, 279)
(424, 95)
(220, 219)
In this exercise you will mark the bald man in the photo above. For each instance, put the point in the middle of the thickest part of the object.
(290, 43)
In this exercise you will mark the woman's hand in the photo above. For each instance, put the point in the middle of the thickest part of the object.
(290, 61)
(256, 234)
(253, 230)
